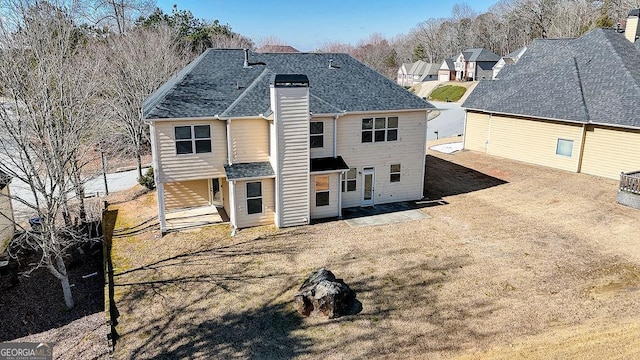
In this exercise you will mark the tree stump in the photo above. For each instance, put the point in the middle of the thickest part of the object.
(323, 294)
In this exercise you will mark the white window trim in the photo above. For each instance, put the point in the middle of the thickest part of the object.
(193, 139)
(344, 181)
(386, 129)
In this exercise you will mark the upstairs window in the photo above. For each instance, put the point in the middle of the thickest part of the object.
(349, 180)
(380, 129)
(193, 138)
(316, 137)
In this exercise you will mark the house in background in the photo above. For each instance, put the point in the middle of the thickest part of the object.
(284, 138)
(570, 104)
(277, 49)
(508, 59)
(402, 77)
(447, 71)
(474, 64)
(7, 226)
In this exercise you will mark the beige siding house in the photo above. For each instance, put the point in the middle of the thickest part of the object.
(282, 139)
(567, 104)
(7, 226)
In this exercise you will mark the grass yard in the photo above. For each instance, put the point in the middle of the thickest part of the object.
(520, 261)
(447, 93)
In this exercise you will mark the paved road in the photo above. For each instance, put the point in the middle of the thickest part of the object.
(449, 123)
(117, 182)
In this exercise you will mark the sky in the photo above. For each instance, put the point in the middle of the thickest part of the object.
(308, 24)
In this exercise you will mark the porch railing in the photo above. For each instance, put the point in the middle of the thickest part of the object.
(630, 182)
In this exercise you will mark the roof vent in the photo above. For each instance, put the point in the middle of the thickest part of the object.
(247, 64)
(331, 66)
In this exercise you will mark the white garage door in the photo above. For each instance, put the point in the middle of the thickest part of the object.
(443, 77)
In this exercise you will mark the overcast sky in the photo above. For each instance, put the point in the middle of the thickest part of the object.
(308, 24)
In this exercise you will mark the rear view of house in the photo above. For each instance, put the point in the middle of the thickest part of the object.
(284, 138)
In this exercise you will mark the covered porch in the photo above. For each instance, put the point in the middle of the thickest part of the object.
(182, 219)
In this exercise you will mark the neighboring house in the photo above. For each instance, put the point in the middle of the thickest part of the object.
(447, 71)
(410, 74)
(403, 78)
(423, 71)
(284, 138)
(7, 226)
(570, 104)
(474, 64)
(277, 49)
(508, 59)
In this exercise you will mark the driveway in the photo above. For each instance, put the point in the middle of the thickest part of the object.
(449, 123)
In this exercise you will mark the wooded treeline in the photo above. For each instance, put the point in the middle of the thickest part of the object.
(505, 27)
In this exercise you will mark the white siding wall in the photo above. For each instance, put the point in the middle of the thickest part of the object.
(408, 150)
(327, 149)
(172, 167)
(186, 194)
(331, 210)
(249, 140)
(291, 116)
(268, 204)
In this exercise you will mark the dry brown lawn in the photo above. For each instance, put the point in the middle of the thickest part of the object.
(519, 261)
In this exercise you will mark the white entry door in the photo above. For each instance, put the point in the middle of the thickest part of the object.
(368, 189)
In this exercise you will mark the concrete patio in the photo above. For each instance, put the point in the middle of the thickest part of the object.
(195, 217)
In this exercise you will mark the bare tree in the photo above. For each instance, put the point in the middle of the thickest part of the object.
(50, 84)
(139, 62)
(119, 15)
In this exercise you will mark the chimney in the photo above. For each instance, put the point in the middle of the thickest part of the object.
(631, 30)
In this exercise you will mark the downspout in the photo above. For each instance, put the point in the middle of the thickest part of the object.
(584, 137)
(486, 144)
(229, 147)
(424, 158)
(335, 136)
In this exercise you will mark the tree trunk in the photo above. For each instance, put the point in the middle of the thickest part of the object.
(139, 161)
(64, 280)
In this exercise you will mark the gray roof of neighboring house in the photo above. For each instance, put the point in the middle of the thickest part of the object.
(479, 54)
(449, 63)
(254, 170)
(424, 68)
(591, 79)
(5, 179)
(216, 83)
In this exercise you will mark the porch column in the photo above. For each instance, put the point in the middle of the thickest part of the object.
(232, 203)
(161, 213)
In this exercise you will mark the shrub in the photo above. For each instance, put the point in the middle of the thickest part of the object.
(147, 179)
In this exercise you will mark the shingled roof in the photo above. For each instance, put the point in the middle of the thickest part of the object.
(479, 54)
(217, 84)
(593, 79)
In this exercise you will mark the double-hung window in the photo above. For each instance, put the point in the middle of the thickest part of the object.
(380, 129)
(316, 137)
(349, 180)
(254, 197)
(394, 173)
(322, 190)
(193, 139)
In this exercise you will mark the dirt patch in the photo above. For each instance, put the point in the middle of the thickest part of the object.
(34, 309)
(513, 258)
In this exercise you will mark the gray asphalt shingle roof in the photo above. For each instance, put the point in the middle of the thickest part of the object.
(591, 79)
(254, 170)
(217, 84)
(479, 54)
